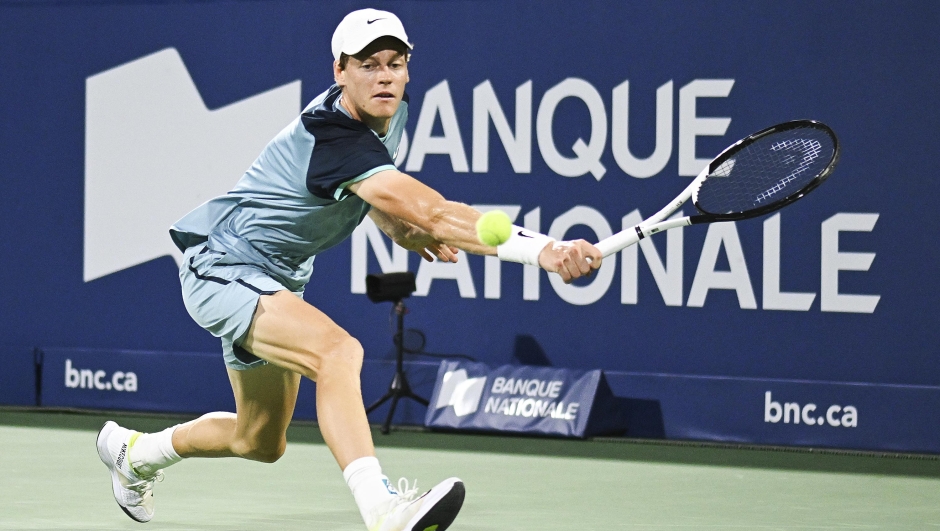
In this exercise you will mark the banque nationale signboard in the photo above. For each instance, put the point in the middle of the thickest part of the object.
(523, 399)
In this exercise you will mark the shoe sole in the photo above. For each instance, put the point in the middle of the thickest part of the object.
(105, 457)
(440, 507)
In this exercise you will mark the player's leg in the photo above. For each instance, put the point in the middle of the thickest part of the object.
(288, 332)
(265, 397)
(222, 298)
(238, 302)
(264, 400)
(291, 333)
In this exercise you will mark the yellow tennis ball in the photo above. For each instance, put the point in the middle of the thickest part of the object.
(494, 228)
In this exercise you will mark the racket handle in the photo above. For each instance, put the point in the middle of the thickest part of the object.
(621, 240)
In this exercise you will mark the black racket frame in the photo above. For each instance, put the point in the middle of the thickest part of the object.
(766, 209)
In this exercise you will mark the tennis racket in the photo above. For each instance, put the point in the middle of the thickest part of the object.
(755, 176)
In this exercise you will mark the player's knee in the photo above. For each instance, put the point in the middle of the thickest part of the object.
(264, 451)
(345, 353)
(269, 454)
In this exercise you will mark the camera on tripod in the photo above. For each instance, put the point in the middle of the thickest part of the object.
(390, 287)
(393, 287)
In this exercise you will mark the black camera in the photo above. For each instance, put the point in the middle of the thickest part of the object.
(391, 287)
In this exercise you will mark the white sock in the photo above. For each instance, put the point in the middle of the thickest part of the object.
(153, 451)
(369, 486)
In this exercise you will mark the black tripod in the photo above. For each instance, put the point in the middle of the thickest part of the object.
(394, 287)
(399, 387)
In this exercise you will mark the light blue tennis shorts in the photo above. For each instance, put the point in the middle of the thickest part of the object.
(222, 297)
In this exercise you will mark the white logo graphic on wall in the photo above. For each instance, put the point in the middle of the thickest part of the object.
(461, 392)
(154, 151)
(810, 414)
(97, 379)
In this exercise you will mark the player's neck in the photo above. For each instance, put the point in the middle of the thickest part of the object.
(379, 125)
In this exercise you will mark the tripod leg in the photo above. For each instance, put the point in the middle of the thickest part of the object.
(411, 394)
(391, 411)
(379, 402)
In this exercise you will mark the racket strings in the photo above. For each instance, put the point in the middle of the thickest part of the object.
(811, 150)
(766, 171)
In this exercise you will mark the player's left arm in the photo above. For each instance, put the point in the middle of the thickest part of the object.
(412, 238)
(418, 206)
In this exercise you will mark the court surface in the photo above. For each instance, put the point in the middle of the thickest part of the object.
(52, 479)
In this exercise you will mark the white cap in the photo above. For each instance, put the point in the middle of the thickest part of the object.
(359, 28)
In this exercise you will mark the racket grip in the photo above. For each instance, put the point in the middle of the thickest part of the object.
(621, 240)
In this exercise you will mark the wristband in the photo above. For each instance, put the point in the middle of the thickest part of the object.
(523, 246)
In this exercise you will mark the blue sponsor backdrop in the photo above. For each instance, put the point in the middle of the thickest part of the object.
(180, 382)
(18, 377)
(524, 399)
(868, 69)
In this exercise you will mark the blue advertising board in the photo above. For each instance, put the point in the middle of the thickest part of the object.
(576, 118)
(174, 382)
(524, 399)
(18, 377)
(860, 416)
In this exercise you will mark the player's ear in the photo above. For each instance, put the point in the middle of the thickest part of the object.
(339, 74)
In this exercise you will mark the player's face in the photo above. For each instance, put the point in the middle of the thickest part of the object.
(373, 83)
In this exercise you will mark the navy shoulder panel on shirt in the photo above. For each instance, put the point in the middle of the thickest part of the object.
(343, 150)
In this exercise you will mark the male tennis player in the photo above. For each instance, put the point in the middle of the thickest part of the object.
(248, 256)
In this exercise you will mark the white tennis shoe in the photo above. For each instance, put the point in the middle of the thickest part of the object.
(133, 493)
(434, 510)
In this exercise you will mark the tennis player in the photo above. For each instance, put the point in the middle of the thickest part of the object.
(249, 254)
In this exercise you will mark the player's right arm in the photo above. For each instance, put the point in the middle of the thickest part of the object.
(412, 238)
(411, 201)
(454, 224)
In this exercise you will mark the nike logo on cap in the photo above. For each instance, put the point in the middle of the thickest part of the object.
(373, 20)
(524, 235)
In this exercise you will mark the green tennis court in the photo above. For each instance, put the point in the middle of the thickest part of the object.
(52, 479)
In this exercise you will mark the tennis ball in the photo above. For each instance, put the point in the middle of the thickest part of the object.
(494, 228)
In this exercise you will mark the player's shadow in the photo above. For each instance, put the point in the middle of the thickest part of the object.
(527, 351)
(644, 417)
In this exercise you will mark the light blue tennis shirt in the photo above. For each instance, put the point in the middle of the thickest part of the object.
(293, 201)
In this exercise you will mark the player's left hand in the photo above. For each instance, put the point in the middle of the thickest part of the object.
(427, 247)
(445, 253)
(570, 259)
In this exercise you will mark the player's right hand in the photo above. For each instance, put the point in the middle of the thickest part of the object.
(570, 259)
